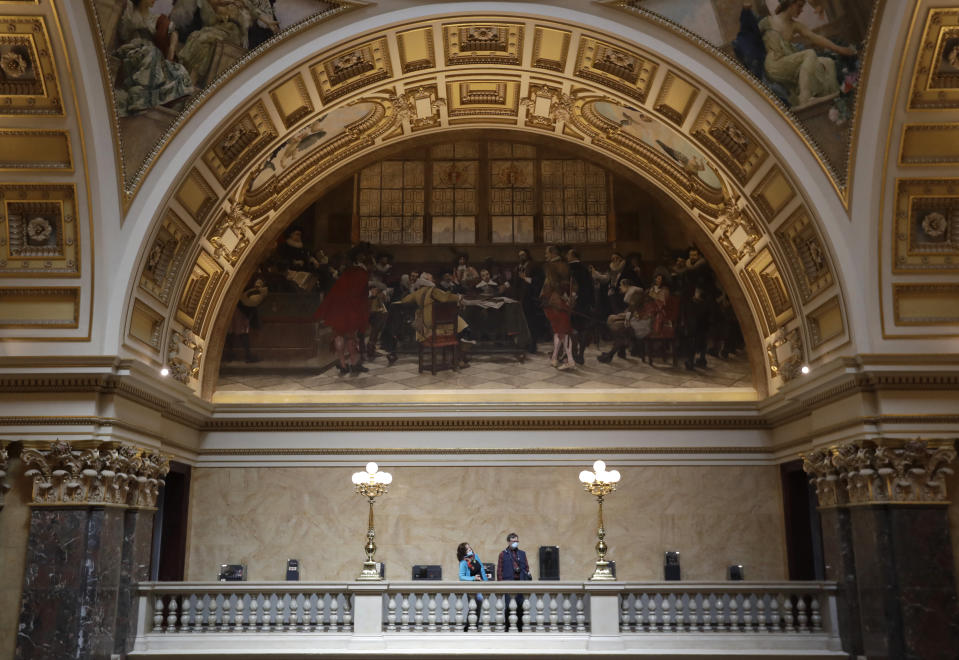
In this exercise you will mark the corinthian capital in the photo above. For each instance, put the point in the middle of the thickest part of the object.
(109, 473)
(866, 472)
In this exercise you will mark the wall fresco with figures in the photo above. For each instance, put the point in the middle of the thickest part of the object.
(808, 53)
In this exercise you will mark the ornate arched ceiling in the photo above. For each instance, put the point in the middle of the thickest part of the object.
(546, 77)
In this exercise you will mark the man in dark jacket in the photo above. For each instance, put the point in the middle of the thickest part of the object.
(513, 565)
(582, 305)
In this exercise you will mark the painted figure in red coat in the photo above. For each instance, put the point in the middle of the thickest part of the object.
(346, 310)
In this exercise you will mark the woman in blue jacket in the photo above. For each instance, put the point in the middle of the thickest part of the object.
(471, 570)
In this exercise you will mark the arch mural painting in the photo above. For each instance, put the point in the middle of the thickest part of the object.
(518, 236)
(161, 54)
(807, 53)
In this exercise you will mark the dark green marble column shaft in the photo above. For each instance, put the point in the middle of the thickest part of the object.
(841, 568)
(68, 607)
(135, 567)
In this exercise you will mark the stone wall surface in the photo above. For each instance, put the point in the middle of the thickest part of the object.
(14, 532)
(953, 490)
(713, 515)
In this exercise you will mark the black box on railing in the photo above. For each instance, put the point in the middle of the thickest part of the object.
(671, 570)
(231, 573)
(292, 570)
(428, 572)
(549, 562)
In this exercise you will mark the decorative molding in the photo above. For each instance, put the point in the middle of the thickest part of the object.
(483, 43)
(925, 304)
(29, 83)
(183, 356)
(785, 353)
(466, 451)
(857, 473)
(105, 474)
(926, 236)
(935, 81)
(39, 236)
(35, 150)
(40, 307)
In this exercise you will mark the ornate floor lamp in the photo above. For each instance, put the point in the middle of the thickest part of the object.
(600, 483)
(369, 484)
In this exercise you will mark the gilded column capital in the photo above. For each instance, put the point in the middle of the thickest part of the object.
(867, 472)
(105, 473)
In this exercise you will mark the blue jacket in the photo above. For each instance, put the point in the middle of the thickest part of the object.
(504, 567)
(465, 570)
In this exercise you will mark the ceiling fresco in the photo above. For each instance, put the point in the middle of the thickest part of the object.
(809, 55)
(162, 56)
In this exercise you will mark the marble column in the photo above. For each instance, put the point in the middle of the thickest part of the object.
(886, 534)
(78, 579)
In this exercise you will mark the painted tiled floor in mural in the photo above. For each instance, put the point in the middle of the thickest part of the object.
(502, 372)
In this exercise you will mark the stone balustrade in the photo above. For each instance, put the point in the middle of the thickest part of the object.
(219, 618)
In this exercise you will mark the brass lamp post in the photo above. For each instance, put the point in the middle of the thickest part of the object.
(600, 483)
(369, 484)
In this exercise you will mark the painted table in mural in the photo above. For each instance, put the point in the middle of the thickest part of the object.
(498, 325)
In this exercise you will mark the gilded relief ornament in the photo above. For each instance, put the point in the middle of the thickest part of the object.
(228, 238)
(547, 105)
(785, 353)
(934, 225)
(738, 234)
(183, 356)
(419, 106)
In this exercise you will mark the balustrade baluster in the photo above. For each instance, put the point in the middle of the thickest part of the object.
(692, 616)
(296, 615)
(418, 616)
(540, 612)
(226, 614)
(171, 615)
(816, 615)
(774, 609)
(553, 612)
(526, 611)
(269, 621)
(333, 622)
(651, 611)
(786, 607)
(431, 611)
(624, 613)
(253, 618)
(733, 613)
(761, 623)
(458, 612)
(445, 616)
(708, 624)
(282, 619)
(801, 618)
(391, 613)
(212, 607)
(308, 612)
(580, 613)
(567, 614)
(720, 612)
(671, 606)
(747, 612)
(471, 618)
(347, 614)
(186, 612)
(158, 617)
(405, 613)
(486, 620)
(238, 613)
(503, 603)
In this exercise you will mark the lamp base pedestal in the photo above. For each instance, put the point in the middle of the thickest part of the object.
(369, 573)
(602, 573)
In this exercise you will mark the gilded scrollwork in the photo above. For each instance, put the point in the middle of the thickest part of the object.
(547, 105)
(738, 233)
(228, 237)
(914, 471)
(109, 473)
(183, 356)
(785, 354)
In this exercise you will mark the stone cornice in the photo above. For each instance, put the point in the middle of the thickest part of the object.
(479, 451)
(104, 474)
(862, 473)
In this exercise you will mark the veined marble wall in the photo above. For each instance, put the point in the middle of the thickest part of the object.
(952, 489)
(715, 516)
(14, 531)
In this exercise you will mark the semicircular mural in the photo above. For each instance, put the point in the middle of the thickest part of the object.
(443, 229)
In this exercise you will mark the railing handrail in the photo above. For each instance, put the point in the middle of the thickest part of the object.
(447, 586)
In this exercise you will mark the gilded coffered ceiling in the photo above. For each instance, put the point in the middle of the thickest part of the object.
(590, 90)
(45, 237)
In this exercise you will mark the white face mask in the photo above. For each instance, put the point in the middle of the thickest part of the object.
(514, 544)
(469, 553)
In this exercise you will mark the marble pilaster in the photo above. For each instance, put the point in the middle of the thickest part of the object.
(886, 537)
(86, 547)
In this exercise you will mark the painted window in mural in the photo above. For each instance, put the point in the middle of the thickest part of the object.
(454, 200)
(562, 310)
(512, 202)
(392, 202)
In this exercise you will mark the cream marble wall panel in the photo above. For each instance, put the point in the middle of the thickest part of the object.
(714, 516)
(14, 530)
